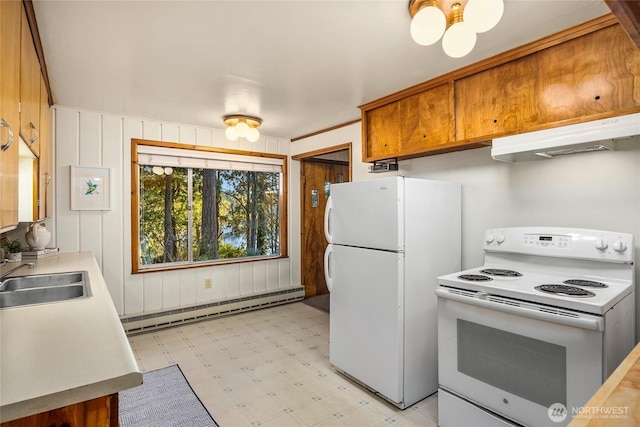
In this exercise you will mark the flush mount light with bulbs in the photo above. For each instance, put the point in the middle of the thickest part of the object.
(159, 170)
(456, 21)
(241, 126)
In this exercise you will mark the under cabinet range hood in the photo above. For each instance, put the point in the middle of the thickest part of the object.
(598, 135)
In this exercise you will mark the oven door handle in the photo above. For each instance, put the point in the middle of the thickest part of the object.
(527, 310)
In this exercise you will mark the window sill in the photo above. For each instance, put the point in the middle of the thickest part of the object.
(172, 267)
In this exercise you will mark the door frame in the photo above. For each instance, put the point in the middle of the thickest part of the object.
(306, 156)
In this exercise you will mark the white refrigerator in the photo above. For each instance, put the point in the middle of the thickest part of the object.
(389, 240)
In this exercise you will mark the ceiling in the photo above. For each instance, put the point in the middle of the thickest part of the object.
(300, 65)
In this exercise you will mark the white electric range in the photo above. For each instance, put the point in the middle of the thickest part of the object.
(528, 337)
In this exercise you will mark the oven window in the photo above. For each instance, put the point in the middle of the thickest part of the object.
(532, 369)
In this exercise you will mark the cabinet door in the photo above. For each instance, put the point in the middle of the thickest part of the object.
(383, 132)
(416, 124)
(426, 120)
(500, 100)
(101, 411)
(45, 186)
(10, 18)
(592, 75)
(29, 90)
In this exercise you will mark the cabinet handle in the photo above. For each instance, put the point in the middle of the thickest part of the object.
(35, 137)
(4, 124)
(47, 180)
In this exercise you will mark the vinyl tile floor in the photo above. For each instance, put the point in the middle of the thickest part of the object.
(271, 367)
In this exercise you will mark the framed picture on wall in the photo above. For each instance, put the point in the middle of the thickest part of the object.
(90, 188)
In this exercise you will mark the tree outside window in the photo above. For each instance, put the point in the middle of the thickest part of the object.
(193, 215)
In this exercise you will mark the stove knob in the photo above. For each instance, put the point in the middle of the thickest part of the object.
(619, 246)
(500, 239)
(601, 244)
(490, 238)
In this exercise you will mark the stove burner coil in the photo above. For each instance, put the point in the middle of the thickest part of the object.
(566, 291)
(501, 272)
(587, 283)
(475, 277)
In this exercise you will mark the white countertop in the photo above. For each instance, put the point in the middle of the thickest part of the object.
(56, 354)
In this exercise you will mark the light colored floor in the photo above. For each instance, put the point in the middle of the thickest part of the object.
(271, 367)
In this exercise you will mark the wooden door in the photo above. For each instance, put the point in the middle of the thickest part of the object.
(315, 176)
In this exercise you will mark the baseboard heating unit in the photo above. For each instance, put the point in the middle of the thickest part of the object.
(135, 324)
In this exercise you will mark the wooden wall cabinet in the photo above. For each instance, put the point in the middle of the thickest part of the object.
(29, 89)
(99, 412)
(585, 78)
(586, 73)
(500, 100)
(414, 124)
(10, 18)
(25, 111)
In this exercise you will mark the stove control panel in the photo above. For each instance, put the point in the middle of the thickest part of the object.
(544, 240)
(562, 242)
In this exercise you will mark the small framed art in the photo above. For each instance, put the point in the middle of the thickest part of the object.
(90, 188)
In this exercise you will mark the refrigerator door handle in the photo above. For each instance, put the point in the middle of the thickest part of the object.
(327, 215)
(327, 272)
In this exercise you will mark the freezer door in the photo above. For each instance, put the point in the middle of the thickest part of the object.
(366, 336)
(366, 214)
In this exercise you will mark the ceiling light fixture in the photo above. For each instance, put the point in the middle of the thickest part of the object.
(241, 126)
(159, 170)
(456, 21)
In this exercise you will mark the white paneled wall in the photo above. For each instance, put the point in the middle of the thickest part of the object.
(97, 139)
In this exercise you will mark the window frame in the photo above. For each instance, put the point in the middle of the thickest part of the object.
(135, 207)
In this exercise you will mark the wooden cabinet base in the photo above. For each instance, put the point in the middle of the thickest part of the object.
(99, 412)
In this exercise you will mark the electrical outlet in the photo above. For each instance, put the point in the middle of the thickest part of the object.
(207, 283)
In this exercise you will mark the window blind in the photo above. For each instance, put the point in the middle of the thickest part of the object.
(175, 157)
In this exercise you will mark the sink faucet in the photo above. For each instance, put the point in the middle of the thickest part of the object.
(29, 265)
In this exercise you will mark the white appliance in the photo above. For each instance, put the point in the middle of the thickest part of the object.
(527, 338)
(597, 135)
(389, 240)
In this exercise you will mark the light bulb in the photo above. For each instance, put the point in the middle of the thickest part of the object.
(428, 25)
(483, 15)
(157, 170)
(253, 135)
(168, 171)
(231, 133)
(242, 128)
(458, 40)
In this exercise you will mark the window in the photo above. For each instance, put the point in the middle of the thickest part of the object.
(197, 205)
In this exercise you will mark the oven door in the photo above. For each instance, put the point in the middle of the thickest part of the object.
(519, 360)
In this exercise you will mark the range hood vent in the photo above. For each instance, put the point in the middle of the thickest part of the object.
(598, 135)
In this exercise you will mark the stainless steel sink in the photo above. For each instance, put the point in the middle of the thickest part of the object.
(44, 288)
